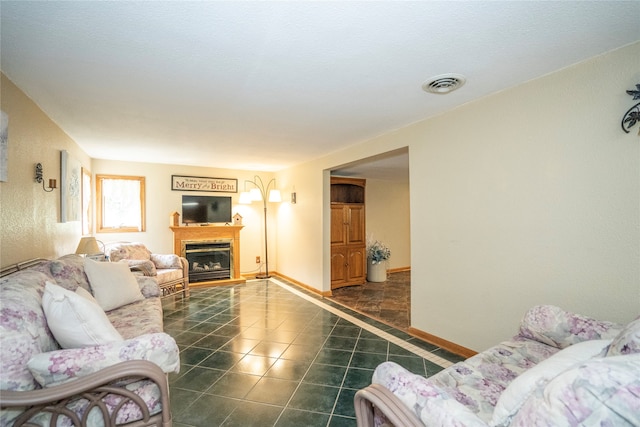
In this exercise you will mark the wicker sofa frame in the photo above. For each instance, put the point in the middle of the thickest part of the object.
(92, 388)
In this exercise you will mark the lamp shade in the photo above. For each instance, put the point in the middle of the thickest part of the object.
(88, 246)
(274, 196)
(245, 198)
(256, 196)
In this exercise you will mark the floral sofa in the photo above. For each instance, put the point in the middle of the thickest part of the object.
(562, 369)
(169, 270)
(82, 343)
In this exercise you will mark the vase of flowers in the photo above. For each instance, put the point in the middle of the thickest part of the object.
(377, 256)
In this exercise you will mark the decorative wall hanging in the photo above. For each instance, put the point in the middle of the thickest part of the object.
(70, 188)
(203, 183)
(632, 116)
(4, 146)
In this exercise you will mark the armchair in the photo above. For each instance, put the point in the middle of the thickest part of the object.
(169, 270)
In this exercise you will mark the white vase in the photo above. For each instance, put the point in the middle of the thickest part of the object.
(376, 272)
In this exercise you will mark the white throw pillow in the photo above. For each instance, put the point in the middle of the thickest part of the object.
(526, 383)
(113, 284)
(75, 318)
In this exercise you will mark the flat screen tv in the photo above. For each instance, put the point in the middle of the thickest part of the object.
(206, 209)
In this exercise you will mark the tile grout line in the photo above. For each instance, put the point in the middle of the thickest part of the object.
(382, 334)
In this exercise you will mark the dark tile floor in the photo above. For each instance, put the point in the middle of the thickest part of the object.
(388, 301)
(267, 353)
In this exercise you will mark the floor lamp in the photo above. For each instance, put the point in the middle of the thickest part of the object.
(255, 194)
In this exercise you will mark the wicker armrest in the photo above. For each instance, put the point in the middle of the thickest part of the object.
(378, 396)
(93, 388)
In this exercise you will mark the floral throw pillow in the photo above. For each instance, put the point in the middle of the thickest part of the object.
(558, 328)
(627, 341)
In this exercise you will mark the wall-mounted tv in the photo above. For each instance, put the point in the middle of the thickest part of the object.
(206, 209)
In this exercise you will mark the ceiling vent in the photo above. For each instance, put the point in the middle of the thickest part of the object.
(444, 83)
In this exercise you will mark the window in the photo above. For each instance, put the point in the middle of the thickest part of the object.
(120, 203)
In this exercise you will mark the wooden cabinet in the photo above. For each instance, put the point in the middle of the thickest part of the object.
(347, 224)
(347, 267)
(348, 236)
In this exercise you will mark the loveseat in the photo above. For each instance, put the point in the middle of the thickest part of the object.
(561, 369)
(82, 343)
(169, 270)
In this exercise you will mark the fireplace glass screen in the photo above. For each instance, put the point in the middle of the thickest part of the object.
(208, 260)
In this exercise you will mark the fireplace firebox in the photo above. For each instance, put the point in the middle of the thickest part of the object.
(208, 260)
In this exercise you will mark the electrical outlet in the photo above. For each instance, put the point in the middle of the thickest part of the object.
(258, 260)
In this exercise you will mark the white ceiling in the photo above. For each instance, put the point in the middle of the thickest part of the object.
(269, 84)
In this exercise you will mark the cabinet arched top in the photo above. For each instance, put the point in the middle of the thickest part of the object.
(347, 190)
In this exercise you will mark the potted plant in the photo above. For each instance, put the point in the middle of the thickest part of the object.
(377, 256)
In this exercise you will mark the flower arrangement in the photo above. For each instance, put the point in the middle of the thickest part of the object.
(378, 252)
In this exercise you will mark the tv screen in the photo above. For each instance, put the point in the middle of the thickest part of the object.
(206, 209)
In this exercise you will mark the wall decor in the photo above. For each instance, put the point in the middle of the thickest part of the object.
(202, 183)
(87, 226)
(4, 146)
(70, 188)
(632, 116)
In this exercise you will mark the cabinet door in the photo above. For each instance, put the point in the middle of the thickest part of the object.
(356, 265)
(338, 222)
(356, 226)
(339, 266)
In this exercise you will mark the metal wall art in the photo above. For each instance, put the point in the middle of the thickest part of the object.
(632, 116)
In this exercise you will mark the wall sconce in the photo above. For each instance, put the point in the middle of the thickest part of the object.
(40, 180)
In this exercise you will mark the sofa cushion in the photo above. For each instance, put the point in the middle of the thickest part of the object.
(627, 341)
(76, 319)
(148, 286)
(525, 384)
(120, 251)
(599, 392)
(431, 403)
(57, 367)
(142, 317)
(168, 274)
(23, 327)
(142, 267)
(67, 271)
(112, 283)
(166, 261)
(556, 327)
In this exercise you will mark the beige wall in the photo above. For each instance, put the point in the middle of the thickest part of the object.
(29, 217)
(300, 226)
(529, 196)
(388, 219)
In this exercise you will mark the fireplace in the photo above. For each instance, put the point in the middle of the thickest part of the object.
(216, 234)
(208, 259)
